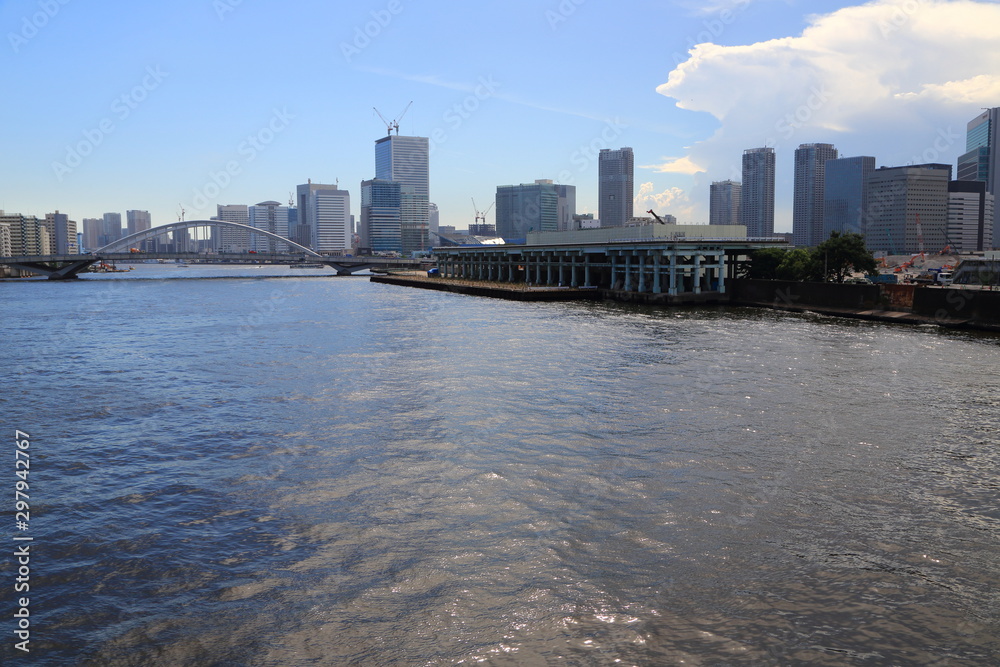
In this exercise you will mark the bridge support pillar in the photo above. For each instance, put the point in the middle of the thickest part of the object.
(68, 272)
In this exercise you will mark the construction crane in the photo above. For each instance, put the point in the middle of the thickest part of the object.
(481, 215)
(180, 214)
(393, 124)
(658, 218)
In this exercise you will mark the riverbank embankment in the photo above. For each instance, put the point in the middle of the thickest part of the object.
(954, 307)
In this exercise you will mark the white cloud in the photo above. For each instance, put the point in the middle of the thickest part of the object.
(675, 165)
(888, 78)
(673, 201)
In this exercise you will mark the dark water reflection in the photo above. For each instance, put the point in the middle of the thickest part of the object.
(327, 471)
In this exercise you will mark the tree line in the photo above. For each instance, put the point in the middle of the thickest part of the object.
(833, 260)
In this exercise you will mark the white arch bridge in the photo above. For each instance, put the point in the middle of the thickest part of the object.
(63, 267)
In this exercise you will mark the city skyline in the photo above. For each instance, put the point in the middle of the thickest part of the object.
(138, 123)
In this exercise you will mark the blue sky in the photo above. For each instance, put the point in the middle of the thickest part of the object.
(112, 106)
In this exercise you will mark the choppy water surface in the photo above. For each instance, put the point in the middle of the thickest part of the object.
(327, 471)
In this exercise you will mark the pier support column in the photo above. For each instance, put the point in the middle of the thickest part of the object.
(673, 274)
(586, 272)
(722, 272)
(628, 272)
(697, 273)
(641, 286)
(614, 269)
(657, 271)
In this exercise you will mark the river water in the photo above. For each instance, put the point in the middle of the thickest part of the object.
(233, 470)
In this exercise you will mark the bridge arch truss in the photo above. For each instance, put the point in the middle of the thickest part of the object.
(126, 242)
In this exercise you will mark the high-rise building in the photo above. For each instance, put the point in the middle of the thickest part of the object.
(615, 187)
(757, 192)
(724, 203)
(137, 221)
(6, 247)
(62, 233)
(111, 230)
(433, 222)
(324, 217)
(981, 161)
(405, 160)
(908, 208)
(970, 216)
(230, 239)
(381, 229)
(845, 195)
(810, 181)
(325, 211)
(269, 216)
(534, 207)
(92, 230)
(28, 234)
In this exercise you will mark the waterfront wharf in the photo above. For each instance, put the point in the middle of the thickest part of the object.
(667, 270)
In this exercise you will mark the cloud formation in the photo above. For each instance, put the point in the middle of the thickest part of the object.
(887, 78)
(673, 201)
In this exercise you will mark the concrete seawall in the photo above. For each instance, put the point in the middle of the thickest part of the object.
(511, 291)
(957, 308)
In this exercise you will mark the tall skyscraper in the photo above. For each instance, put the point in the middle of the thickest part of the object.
(970, 216)
(137, 221)
(845, 195)
(62, 233)
(324, 217)
(757, 193)
(533, 207)
(434, 222)
(724, 203)
(615, 187)
(92, 230)
(810, 181)
(111, 230)
(230, 239)
(269, 216)
(405, 160)
(981, 162)
(908, 208)
(330, 220)
(381, 229)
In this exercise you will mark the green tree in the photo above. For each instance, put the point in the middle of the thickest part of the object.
(842, 254)
(783, 264)
(799, 264)
(764, 263)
